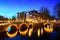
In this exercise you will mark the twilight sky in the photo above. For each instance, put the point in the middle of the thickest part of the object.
(9, 8)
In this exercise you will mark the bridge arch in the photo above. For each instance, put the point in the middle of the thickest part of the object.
(48, 27)
(13, 28)
(23, 28)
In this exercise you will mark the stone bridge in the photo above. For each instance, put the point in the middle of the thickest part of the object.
(25, 26)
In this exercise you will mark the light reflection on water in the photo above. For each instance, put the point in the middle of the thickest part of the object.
(52, 36)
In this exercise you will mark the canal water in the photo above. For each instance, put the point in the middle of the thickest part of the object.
(55, 35)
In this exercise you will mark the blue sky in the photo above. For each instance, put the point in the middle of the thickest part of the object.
(9, 8)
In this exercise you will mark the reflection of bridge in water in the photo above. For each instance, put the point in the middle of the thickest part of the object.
(18, 26)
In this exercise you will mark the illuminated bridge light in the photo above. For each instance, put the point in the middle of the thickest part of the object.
(12, 31)
(23, 29)
(54, 20)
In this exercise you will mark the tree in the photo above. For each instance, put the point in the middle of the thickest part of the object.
(23, 15)
(57, 10)
(1, 17)
(6, 18)
(13, 18)
(44, 13)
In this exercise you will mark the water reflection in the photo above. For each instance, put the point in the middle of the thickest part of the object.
(47, 36)
(55, 35)
(18, 37)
